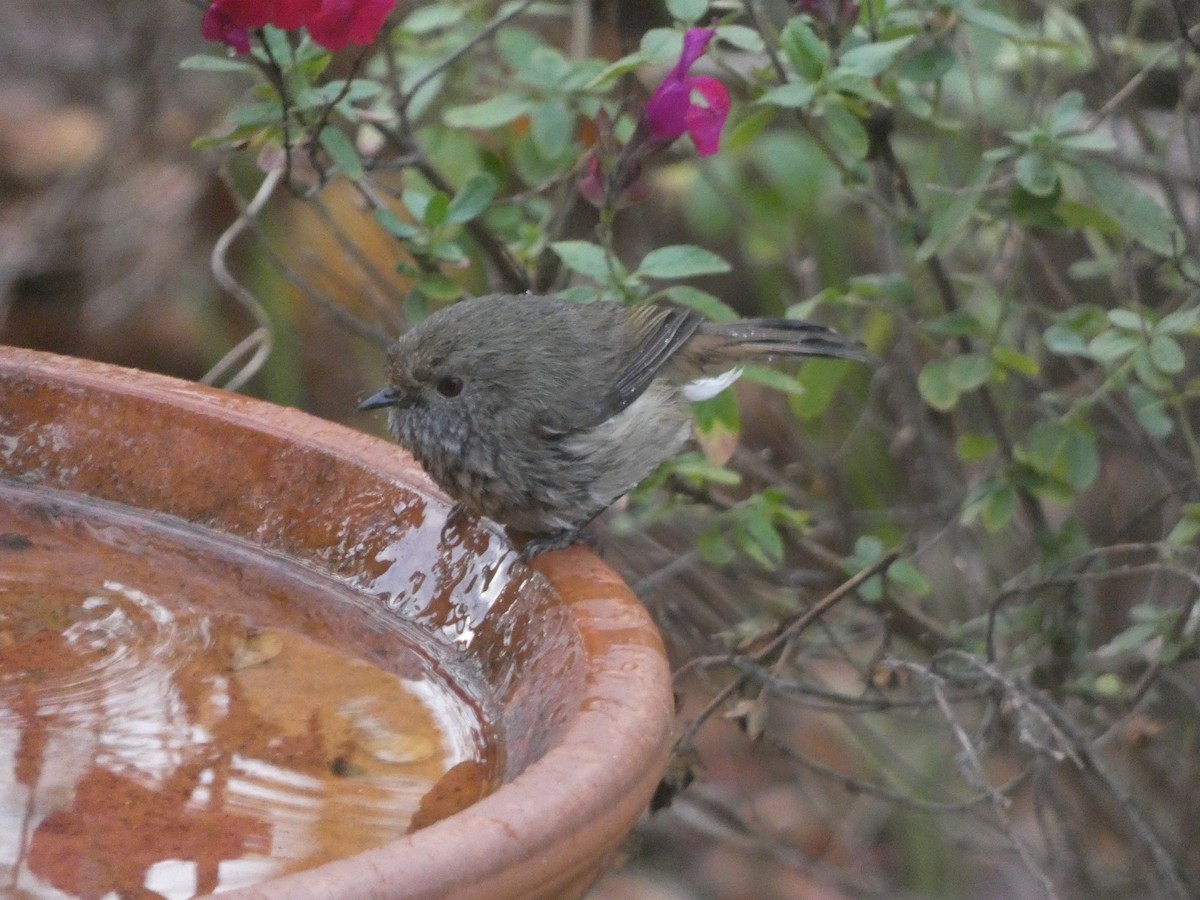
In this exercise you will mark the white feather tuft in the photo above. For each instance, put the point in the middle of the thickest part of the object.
(709, 387)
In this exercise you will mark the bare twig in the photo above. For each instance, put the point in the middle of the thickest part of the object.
(258, 342)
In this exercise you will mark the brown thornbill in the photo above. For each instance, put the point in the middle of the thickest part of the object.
(538, 412)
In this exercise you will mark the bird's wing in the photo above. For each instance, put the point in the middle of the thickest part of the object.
(627, 351)
(660, 332)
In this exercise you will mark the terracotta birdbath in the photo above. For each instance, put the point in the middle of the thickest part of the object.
(151, 527)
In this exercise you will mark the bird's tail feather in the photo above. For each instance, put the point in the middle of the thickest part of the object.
(751, 339)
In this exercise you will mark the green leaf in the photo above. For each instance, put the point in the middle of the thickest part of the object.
(615, 70)
(993, 501)
(1150, 412)
(436, 210)
(516, 45)
(551, 129)
(1132, 638)
(1064, 452)
(531, 166)
(450, 252)
(342, 152)
(661, 44)
(959, 323)
(1181, 322)
(436, 286)
(432, 17)
(703, 302)
(545, 68)
(681, 261)
(687, 11)
(490, 113)
(583, 257)
(277, 42)
(820, 378)
(849, 133)
(696, 467)
(1140, 217)
(714, 548)
(472, 198)
(267, 112)
(741, 37)
(1087, 143)
(929, 65)
(1166, 354)
(794, 95)
(807, 53)
(937, 386)
(867, 549)
(395, 225)
(991, 21)
(347, 93)
(718, 414)
(846, 82)
(1066, 112)
(1186, 532)
(749, 128)
(757, 537)
(774, 379)
(905, 574)
(1108, 685)
(205, 63)
(1015, 361)
(1128, 320)
(1065, 341)
(969, 371)
(1112, 346)
(1036, 173)
(416, 202)
(974, 447)
(949, 220)
(869, 60)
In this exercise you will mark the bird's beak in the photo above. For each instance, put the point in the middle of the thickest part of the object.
(389, 396)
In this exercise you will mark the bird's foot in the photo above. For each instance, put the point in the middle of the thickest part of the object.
(544, 543)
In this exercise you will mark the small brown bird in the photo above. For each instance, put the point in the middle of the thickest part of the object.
(538, 412)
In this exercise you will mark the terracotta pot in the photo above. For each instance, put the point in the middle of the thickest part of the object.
(573, 662)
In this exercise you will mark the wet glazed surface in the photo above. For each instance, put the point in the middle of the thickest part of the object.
(180, 713)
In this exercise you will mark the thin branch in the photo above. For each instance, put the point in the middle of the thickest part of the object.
(258, 342)
(781, 634)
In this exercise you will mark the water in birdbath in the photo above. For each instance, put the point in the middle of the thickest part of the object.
(181, 713)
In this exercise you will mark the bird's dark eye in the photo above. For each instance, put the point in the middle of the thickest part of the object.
(450, 386)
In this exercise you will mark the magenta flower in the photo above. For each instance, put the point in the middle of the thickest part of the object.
(219, 26)
(332, 23)
(292, 14)
(695, 104)
(342, 22)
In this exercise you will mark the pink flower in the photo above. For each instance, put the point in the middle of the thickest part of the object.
(218, 26)
(292, 14)
(342, 22)
(332, 23)
(695, 104)
(246, 13)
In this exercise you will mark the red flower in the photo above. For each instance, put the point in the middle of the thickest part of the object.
(246, 13)
(218, 26)
(292, 14)
(695, 104)
(342, 22)
(332, 23)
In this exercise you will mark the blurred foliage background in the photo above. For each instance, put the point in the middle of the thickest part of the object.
(934, 621)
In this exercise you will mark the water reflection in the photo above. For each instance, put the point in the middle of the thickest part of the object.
(175, 720)
(447, 579)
